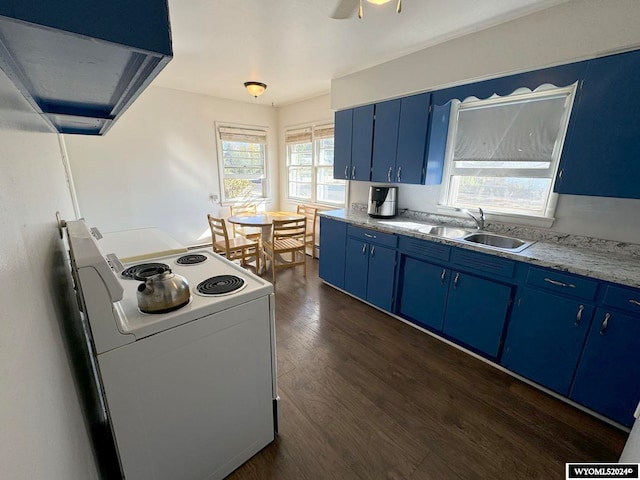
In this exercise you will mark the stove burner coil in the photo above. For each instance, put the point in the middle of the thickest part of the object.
(143, 271)
(220, 285)
(191, 259)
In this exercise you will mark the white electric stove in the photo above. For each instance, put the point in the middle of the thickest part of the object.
(191, 393)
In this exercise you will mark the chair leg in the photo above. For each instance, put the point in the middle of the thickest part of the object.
(273, 268)
(304, 262)
(257, 261)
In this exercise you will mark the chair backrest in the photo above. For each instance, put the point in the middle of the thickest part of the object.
(218, 229)
(311, 214)
(244, 209)
(289, 229)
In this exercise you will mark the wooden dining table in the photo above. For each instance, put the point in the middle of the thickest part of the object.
(264, 221)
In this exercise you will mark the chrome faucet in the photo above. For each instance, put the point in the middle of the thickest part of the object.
(479, 220)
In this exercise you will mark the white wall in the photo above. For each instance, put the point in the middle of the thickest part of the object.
(157, 165)
(576, 30)
(42, 429)
(313, 111)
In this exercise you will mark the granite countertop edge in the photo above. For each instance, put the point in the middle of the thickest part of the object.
(605, 266)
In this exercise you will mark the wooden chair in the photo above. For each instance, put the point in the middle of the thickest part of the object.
(233, 248)
(311, 213)
(287, 236)
(250, 233)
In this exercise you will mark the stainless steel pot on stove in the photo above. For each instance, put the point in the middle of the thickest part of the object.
(163, 293)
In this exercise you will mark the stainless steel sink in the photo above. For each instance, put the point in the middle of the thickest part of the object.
(443, 231)
(498, 242)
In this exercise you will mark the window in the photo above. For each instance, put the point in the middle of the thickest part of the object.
(310, 166)
(503, 152)
(242, 165)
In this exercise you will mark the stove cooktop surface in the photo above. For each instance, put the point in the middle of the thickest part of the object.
(247, 287)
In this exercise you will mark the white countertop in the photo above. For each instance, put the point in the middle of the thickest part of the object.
(601, 265)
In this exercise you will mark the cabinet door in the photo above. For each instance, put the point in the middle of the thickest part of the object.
(546, 335)
(333, 240)
(607, 378)
(385, 141)
(600, 155)
(412, 138)
(437, 143)
(356, 267)
(382, 266)
(476, 312)
(423, 294)
(342, 144)
(362, 142)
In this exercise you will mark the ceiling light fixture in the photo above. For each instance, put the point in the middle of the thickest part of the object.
(255, 88)
(379, 2)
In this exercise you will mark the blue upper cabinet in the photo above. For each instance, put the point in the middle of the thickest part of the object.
(385, 141)
(412, 138)
(342, 144)
(399, 139)
(601, 155)
(437, 146)
(362, 142)
(81, 63)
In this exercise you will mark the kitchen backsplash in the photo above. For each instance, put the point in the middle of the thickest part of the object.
(527, 233)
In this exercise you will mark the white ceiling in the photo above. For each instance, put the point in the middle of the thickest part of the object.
(296, 48)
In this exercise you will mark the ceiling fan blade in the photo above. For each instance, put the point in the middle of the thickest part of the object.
(345, 9)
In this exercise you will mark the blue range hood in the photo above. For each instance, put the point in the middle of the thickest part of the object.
(81, 63)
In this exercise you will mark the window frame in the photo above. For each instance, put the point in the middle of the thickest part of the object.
(547, 218)
(315, 166)
(240, 128)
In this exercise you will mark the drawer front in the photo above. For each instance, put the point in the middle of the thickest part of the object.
(480, 262)
(562, 283)
(627, 299)
(372, 236)
(425, 249)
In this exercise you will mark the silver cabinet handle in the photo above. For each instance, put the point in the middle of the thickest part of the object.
(399, 172)
(559, 284)
(368, 235)
(373, 249)
(353, 173)
(443, 276)
(455, 280)
(634, 302)
(346, 172)
(605, 323)
(579, 315)
(364, 248)
(389, 174)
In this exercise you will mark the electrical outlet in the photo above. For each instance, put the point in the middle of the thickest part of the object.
(213, 197)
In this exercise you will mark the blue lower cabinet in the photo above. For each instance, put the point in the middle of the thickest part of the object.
(382, 263)
(608, 376)
(333, 239)
(370, 266)
(356, 268)
(423, 292)
(476, 312)
(545, 338)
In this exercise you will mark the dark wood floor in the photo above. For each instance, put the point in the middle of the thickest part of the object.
(365, 396)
